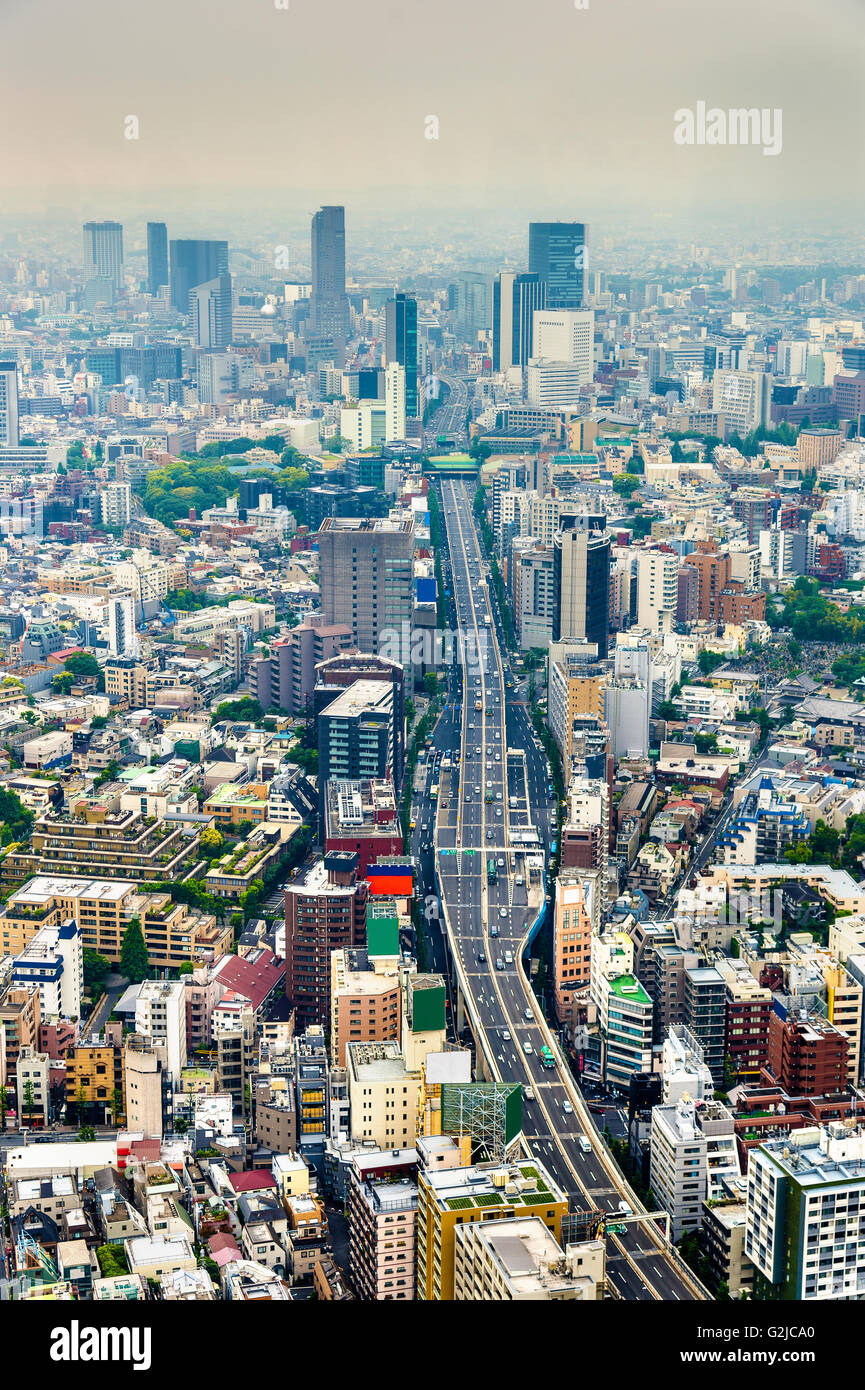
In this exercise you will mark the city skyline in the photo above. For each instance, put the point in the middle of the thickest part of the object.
(597, 119)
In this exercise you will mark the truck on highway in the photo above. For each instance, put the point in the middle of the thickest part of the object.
(491, 871)
(547, 1056)
(434, 791)
(489, 794)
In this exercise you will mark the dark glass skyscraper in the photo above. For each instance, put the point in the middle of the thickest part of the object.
(401, 344)
(329, 303)
(157, 256)
(557, 253)
(194, 263)
(515, 299)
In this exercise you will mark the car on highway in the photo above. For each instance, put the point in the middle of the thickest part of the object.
(528, 1093)
(494, 931)
(509, 957)
(503, 912)
(506, 1037)
(527, 1048)
(500, 965)
(527, 1013)
(482, 960)
(498, 810)
(567, 1107)
(584, 1144)
(489, 834)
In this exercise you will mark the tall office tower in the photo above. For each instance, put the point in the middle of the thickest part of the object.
(157, 256)
(9, 405)
(103, 252)
(365, 577)
(471, 298)
(400, 315)
(557, 254)
(395, 393)
(581, 577)
(329, 304)
(566, 335)
(657, 589)
(193, 263)
(210, 313)
(515, 299)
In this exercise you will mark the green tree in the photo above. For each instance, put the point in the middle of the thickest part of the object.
(709, 660)
(97, 968)
(4, 1106)
(15, 820)
(431, 683)
(86, 1134)
(29, 1099)
(212, 841)
(82, 664)
(116, 1104)
(134, 963)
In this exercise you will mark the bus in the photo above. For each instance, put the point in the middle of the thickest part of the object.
(491, 871)
(547, 1057)
(434, 791)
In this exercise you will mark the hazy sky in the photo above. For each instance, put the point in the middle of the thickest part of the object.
(557, 107)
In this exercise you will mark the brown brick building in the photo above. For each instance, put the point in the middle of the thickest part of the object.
(806, 1056)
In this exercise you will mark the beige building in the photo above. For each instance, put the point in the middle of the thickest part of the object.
(145, 1079)
(520, 1259)
(576, 687)
(103, 909)
(577, 904)
(384, 1096)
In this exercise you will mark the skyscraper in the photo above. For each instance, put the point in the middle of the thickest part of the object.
(210, 313)
(365, 577)
(395, 393)
(581, 576)
(329, 303)
(557, 254)
(157, 256)
(194, 263)
(103, 252)
(401, 345)
(515, 299)
(9, 405)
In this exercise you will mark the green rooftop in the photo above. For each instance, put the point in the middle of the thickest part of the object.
(628, 987)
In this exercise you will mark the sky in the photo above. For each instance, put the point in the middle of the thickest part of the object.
(536, 102)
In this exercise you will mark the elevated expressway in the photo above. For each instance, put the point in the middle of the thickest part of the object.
(473, 825)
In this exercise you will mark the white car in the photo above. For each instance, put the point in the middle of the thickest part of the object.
(567, 1107)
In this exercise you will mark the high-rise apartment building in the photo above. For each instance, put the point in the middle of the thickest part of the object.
(325, 911)
(328, 301)
(516, 297)
(286, 679)
(395, 390)
(401, 346)
(807, 1055)
(194, 262)
(157, 257)
(581, 570)
(805, 1214)
(210, 307)
(9, 405)
(657, 589)
(103, 252)
(557, 252)
(366, 576)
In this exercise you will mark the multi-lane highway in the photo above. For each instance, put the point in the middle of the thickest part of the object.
(489, 860)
